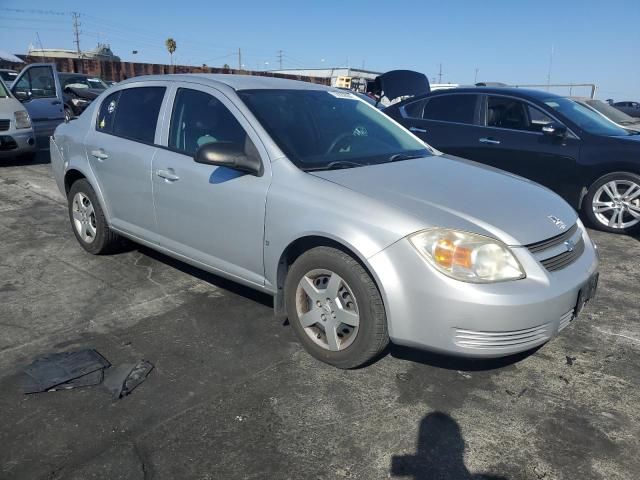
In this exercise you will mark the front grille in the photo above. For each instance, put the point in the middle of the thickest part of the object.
(564, 259)
(4, 125)
(553, 241)
(514, 338)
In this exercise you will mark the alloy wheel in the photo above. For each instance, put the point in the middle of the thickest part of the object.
(616, 204)
(84, 217)
(327, 309)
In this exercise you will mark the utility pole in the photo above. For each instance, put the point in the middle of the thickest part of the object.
(440, 74)
(475, 79)
(550, 65)
(76, 31)
(280, 58)
(239, 59)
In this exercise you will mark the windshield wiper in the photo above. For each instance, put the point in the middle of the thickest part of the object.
(336, 165)
(398, 157)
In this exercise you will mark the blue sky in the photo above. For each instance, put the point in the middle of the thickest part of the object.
(508, 41)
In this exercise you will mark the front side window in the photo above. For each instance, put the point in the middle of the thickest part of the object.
(504, 112)
(319, 129)
(37, 82)
(585, 118)
(459, 108)
(43, 84)
(199, 118)
(136, 113)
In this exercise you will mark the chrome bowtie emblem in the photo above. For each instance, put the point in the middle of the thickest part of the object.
(570, 245)
(557, 222)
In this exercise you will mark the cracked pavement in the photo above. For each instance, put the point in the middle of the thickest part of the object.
(233, 395)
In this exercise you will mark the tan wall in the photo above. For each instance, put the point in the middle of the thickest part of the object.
(118, 71)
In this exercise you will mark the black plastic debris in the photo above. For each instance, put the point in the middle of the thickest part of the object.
(64, 371)
(121, 380)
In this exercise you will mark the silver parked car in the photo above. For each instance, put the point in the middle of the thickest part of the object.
(16, 133)
(360, 231)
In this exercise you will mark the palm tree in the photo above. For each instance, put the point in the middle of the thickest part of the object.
(171, 45)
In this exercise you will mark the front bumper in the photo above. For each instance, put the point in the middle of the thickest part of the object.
(429, 310)
(17, 142)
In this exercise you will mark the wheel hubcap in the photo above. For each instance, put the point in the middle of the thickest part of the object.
(84, 217)
(616, 204)
(327, 309)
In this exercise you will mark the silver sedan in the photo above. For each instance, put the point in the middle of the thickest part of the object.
(360, 231)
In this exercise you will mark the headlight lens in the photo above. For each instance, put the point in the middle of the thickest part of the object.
(22, 119)
(466, 256)
(78, 102)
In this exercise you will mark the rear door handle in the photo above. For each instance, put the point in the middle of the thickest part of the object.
(417, 130)
(491, 141)
(168, 175)
(99, 154)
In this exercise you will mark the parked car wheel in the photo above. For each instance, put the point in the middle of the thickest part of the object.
(335, 308)
(68, 114)
(612, 203)
(89, 224)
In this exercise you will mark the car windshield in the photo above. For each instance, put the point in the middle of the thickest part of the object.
(611, 112)
(319, 129)
(81, 81)
(585, 118)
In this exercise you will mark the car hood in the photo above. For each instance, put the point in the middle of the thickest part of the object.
(450, 192)
(85, 93)
(9, 105)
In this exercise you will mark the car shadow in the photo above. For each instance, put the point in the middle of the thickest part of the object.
(41, 158)
(215, 280)
(439, 453)
(450, 362)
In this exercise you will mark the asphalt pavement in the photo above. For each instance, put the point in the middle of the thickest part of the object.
(234, 396)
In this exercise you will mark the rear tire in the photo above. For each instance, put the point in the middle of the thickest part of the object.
(87, 220)
(612, 203)
(335, 308)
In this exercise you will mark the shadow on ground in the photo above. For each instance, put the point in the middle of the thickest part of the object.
(439, 453)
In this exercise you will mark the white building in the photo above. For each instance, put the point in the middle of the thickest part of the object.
(101, 52)
(333, 73)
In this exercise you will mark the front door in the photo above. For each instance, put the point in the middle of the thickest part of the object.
(120, 148)
(38, 88)
(513, 140)
(211, 214)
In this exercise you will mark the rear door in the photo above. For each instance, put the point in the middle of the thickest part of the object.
(38, 88)
(446, 121)
(120, 147)
(512, 140)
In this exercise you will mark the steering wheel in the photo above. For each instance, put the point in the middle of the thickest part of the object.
(340, 139)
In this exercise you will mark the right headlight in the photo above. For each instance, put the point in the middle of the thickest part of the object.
(22, 119)
(467, 256)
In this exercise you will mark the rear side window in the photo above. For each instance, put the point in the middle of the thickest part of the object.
(451, 108)
(107, 113)
(131, 113)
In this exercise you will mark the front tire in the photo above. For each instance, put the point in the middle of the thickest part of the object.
(87, 219)
(68, 114)
(612, 203)
(335, 308)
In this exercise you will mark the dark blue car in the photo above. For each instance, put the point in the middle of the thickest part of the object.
(590, 161)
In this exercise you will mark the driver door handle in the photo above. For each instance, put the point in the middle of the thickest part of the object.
(99, 154)
(417, 130)
(167, 174)
(491, 141)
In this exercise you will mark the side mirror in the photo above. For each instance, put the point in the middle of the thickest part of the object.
(554, 129)
(23, 95)
(230, 155)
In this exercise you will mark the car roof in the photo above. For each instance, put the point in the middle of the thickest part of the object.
(236, 82)
(519, 92)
